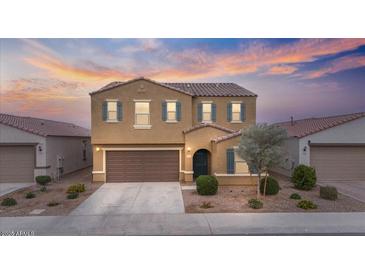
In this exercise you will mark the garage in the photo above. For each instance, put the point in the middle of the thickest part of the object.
(338, 163)
(142, 166)
(17, 164)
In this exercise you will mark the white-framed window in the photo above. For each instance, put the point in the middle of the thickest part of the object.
(236, 112)
(240, 164)
(171, 111)
(142, 113)
(112, 111)
(206, 112)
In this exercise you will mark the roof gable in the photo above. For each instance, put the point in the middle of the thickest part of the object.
(305, 127)
(205, 125)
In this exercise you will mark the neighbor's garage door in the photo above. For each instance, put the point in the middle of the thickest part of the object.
(16, 164)
(338, 163)
(142, 166)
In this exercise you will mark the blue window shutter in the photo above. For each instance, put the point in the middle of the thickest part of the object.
(164, 111)
(229, 112)
(214, 112)
(200, 112)
(105, 111)
(178, 111)
(119, 111)
(230, 161)
(243, 112)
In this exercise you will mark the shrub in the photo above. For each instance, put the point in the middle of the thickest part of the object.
(295, 196)
(29, 195)
(72, 196)
(272, 186)
(206, 185)
(53, 203)
(255, 204)
(306, 204)
(328, 192)
(43, 189)
(206, 205)
(304, 177)
(9, 202)
(43, 180)
(76, 188)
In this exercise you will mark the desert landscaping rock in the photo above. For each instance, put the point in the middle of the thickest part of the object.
(36, 211)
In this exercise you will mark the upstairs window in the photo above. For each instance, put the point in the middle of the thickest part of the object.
(112, 110)
(171, 111)
(142, 114)
(207, 112)
(236, 112)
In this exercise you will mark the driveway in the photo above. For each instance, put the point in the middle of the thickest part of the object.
(6, 188)
(354, 190)
(133, 198)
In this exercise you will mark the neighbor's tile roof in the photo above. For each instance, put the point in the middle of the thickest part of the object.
(203, 125)
(193, 89)
(301, 128)
(226, 137)
(43, 127)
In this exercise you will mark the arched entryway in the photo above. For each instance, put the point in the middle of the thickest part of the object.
(201, 162)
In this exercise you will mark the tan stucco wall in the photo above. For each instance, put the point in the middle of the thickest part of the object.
(219, 155)
(237, 180)
(221, 103)
(123, 132)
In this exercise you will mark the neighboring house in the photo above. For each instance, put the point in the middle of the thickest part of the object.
(31, 146)
(334, 145)
(145, 131)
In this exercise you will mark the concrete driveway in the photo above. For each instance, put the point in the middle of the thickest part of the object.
(354, 190)
(133, 198)
(6, 188)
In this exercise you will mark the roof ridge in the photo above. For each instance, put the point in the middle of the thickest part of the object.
(38, 118)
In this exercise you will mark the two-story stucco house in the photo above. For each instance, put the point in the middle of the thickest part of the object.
(147, 131)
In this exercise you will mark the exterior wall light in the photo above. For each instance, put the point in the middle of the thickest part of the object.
(97, 148)
(189, 149)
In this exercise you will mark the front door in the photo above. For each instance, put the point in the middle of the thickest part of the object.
(200, 163)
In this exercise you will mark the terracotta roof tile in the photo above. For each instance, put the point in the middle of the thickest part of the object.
(43, 127)
(193, 89)
(203, 125)
(304, 127)
(226, 137)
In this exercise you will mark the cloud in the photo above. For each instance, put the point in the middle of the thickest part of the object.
(340, 64)
(281, 70)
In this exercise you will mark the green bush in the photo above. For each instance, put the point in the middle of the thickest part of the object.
(72, 196)
(306, 204)
(29, 195)
(206, 185)
(295, 196)
(328, 192)
(43, 189)
(43, 180)
(9, 202)
(76, 188)
(255, 204)
(53, 204)
(304, 177)
(272, 186)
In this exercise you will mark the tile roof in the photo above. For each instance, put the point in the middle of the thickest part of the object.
(226, 137)
(192, 89)
(304, 127)
(43, 127)
(203, 125)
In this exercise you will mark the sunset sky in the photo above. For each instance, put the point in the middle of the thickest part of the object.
(52, 78)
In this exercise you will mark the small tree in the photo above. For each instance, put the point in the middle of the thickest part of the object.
(261, 148)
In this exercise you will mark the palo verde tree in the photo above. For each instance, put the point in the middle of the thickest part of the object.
(261, 148)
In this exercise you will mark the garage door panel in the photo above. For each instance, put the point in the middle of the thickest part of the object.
(338, 163)
(17, 164)
(142, 166)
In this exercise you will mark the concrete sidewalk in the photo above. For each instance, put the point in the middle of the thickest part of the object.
(191, 224)
(6, 188)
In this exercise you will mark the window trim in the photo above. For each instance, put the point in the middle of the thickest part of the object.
(142, 126)
(236, 121)
(211, 111)
(107, 110)
(167, 111)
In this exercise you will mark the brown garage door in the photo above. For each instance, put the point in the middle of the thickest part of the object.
(142, 166)
(338, 163)
(16, 164)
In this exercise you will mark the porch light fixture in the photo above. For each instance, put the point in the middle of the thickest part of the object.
(189, 149)
(97, 148)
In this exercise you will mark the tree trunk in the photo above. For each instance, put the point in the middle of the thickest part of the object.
(265, 183)
(258, 186)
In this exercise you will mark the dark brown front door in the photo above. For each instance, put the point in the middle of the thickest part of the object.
(142, 166)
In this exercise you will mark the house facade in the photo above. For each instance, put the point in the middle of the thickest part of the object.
(31, 146)
(145, 131)
(334, 146)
